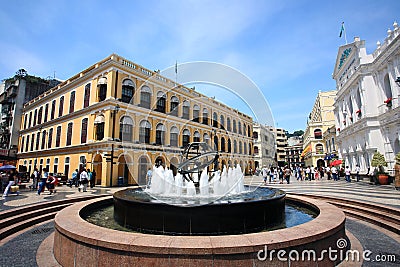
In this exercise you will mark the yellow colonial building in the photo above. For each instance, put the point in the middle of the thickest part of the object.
(119, 112)
(320, 119)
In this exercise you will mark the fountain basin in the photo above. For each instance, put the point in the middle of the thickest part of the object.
(80, 243)
(251, 211)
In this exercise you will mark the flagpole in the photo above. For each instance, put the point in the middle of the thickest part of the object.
(345, 37)
(176, 72)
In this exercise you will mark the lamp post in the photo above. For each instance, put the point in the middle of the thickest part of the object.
(114, 114)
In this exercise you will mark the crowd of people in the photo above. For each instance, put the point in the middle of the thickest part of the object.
(42, 179)
(306, 173)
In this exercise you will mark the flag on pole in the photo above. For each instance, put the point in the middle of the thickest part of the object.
(176, 67)
(341, 30)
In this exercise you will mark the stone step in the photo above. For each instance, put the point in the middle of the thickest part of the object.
(19, 226)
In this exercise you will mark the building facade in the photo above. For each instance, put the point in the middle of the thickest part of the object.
(119, 119)
(367, 112)
(329, 139)
(281, 143)
(14, 92)
(320, 119)
(293, 151)
(264, 146)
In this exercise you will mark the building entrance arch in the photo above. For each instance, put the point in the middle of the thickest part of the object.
(97, 164)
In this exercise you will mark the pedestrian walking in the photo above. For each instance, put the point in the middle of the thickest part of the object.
(287, 173)
(11, 180)
(84, 180)
(334, 173)
(51, 183)
(42, 181)
(93, 181)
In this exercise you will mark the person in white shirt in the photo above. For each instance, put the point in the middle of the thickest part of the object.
(334, 173)
(328, 172)
(84, 180)
(357, 170)
(347, 173)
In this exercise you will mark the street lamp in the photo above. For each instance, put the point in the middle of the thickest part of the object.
(115, 111)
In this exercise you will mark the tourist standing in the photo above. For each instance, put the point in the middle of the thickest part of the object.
(328, 172)
(90, 176)
(312, 172)
(93, 181)
(334, 173)
(51, 182)
(264, 172)
(74, 180)
(35, 178)
(308, 171)
(83, 179)
(357, 170)
(287, 173)
(347, 173)
(280, 173)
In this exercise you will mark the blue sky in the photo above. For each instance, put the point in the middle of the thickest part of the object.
(288, 48)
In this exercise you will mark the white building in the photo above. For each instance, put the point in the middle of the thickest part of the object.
(264, 146)
(367, 113)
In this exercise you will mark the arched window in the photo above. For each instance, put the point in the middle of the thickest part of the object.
(185, 109)
(160, 134)
(86, 97)
(250, 149)
(228, 124)
(58, 136)
(206, 138)
(215, 119)
(244, 129)
(126, 129)
(69, 134)
(26, 121)
(196, 136)
(244, 148)
(174, 106)
(72, 102)
(185, 137)
(30, 119)
(387, 88)
(145, 97)
(319, 148)
(102, 88)
(222, 122)
(248, 131)
(240, 147)
(144, 132)
(216, 143)
(66, 166)
(128, 90)
(46, 112)
(256, 150)
(161, 100)
(39, 121)
(358, 100)
(240, 127)
(234, 126)
(55, 166)
(317, 134)
(196, 113)
(84, 130)
(61, 107)
(205, 116)
(174, 136)
(222, 144)
(33, 141)
(50, 139)
(235, 146)
(229, 146)
(99, 122)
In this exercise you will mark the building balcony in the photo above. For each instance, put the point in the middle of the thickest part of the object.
(12, 91)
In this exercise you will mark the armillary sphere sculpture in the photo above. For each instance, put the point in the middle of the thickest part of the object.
(196, 157)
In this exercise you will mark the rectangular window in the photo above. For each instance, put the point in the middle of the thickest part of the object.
(43, 140)
(66, 167)
(127, 94)
(37, 141)
(174, 139)
(84, 131)
(72, 102)
(25, 121)
(69, 134)
(53, 110)
(86, 98)
(55, 166)
(46, 112)
(27, 143)
(61, 107)
(33, 141)
(102, 92)
(39, 121)
(185, 113)
(30, 119)
(100, 131)
(58, 136)
(35, 118)
(145, 99)
(22, 144)
(50, 140)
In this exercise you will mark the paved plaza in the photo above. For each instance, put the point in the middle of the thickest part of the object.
(20, 250)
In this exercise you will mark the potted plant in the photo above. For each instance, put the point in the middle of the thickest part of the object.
(379, 162)
(397, 172)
